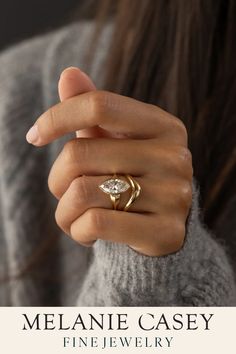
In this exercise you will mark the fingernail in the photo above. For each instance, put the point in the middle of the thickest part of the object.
(33, 135)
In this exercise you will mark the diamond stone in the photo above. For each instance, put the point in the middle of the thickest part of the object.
(114, 186)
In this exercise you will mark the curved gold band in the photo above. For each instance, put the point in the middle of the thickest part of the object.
(136, 189)
(135, 192)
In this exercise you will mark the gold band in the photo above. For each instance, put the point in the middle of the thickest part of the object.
(115, 200)
(136, 189)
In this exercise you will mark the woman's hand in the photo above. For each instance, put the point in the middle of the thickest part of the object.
(123, 136)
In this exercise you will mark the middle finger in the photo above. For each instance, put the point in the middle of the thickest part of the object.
(101, 156)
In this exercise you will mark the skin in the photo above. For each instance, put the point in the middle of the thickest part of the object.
(117, 134)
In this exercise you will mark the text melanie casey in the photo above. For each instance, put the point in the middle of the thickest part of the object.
(116, 322)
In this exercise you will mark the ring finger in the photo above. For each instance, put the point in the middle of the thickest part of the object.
(84, 193)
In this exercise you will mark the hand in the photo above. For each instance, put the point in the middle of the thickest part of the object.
(117, 134)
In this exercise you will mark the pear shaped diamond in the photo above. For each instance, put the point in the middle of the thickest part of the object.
(114, 186)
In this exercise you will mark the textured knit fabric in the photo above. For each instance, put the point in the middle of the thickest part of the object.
(108, 274)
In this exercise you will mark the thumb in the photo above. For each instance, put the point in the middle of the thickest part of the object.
(73, 82)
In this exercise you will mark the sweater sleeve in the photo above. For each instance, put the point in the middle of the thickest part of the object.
(199, 274)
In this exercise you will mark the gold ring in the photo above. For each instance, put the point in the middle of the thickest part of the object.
(115, 186)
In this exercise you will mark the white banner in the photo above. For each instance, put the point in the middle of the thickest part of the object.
(117, 330)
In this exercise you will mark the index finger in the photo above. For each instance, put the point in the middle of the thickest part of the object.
(110, 111)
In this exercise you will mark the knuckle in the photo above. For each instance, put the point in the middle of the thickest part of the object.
(176, 158)
(76, 150)
(96, 221)
(83, 151)
(98, 101)
(53, 118)
(183, 160)
(185, 192)
(80, 190)
(184, 154)
(180, 127)
(69, 151)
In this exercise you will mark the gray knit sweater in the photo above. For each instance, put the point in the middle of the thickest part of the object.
(61, 271)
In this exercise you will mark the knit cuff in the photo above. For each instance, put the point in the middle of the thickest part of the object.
(135, 275)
